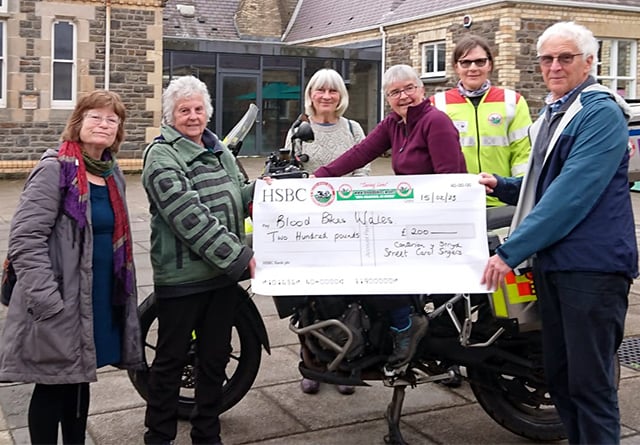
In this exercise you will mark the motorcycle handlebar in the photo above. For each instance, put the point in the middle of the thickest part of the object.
(498, 217)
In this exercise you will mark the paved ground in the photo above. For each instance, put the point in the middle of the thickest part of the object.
(275, 411)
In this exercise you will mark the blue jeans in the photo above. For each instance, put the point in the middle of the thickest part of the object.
(583, 317)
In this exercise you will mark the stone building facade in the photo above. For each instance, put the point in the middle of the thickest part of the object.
(121, 44)
(512, 28)
(31, 121)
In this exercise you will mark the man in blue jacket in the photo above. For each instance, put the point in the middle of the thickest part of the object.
(574, 224)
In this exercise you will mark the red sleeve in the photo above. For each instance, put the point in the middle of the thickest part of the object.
(443, 141)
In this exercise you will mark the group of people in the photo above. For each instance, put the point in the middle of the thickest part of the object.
(73, 308)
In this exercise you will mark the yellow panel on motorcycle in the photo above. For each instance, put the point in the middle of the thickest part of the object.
(514, 298)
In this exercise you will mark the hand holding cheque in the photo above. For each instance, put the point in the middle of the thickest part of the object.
(370, 235)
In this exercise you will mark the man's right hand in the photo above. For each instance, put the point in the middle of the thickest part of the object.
(489, 181)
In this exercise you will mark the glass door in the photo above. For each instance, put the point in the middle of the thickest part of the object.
(236, 92)
(281, 95)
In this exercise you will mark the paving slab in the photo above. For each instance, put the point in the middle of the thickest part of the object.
(462, 425)
(330, 408)
(359, 433)
(281, 366)
(275, 411)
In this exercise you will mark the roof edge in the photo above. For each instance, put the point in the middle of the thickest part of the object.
(570, 3)
(293, 18)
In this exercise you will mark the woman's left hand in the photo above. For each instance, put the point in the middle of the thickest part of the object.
(252, 267)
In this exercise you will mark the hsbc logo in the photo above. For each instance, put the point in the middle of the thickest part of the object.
(270, 194)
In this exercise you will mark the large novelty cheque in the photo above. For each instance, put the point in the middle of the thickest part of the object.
(370, 235)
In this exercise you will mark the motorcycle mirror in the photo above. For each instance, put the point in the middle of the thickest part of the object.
(303, 132)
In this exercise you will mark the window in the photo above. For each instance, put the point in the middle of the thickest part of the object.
(4, 5)
(617, 66)
(3, 65)
(433, 59)
(63, 69)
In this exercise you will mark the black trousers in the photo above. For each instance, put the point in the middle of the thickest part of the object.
(583, 316)
(59, 405)
(210, 314)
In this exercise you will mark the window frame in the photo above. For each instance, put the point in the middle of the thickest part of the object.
(423, 67)
(613, 77)
(4, 5)
(3, 64)
(70, 102)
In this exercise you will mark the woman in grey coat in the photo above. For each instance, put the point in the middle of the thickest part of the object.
(73, 308)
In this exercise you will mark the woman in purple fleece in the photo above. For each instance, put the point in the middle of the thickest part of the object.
(423, 140)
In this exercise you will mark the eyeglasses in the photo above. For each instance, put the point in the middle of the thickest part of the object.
(409, 90)
(563, 59)
(97, 119)
(466, 63)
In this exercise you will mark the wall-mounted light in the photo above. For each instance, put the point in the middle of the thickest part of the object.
(466, 21)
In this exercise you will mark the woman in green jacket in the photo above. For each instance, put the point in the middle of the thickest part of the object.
(198, 201)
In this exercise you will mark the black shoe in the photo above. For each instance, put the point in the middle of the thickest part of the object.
(406, 342)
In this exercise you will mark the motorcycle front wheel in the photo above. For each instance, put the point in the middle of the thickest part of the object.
(241, 371)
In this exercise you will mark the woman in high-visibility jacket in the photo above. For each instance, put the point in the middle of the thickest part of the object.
(493, 122)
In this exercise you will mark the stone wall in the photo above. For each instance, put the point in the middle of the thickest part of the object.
(135, 72)
(512, 29)
(261, 19)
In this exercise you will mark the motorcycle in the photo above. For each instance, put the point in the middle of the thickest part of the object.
(484, 339)
(490, 340)
(248, 337)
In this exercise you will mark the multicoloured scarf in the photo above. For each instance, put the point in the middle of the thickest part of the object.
(474, 93)
(74, 164)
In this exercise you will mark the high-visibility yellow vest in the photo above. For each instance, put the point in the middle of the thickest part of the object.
(494, 135)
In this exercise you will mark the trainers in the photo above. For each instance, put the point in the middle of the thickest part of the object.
(346, 390)
(406, 342)
(309, 386)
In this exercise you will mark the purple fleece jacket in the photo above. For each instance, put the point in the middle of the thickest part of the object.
(427, 143)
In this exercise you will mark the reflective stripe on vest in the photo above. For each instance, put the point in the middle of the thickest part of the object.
(510, 104)
(440, 101)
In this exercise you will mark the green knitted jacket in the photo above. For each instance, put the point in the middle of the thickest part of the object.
(198, 202)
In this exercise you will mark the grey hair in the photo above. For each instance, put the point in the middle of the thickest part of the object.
(400, 73)
(326, 78)
(180, 88)
(580, 35)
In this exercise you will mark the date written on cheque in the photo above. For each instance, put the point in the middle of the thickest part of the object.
(439, 198)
